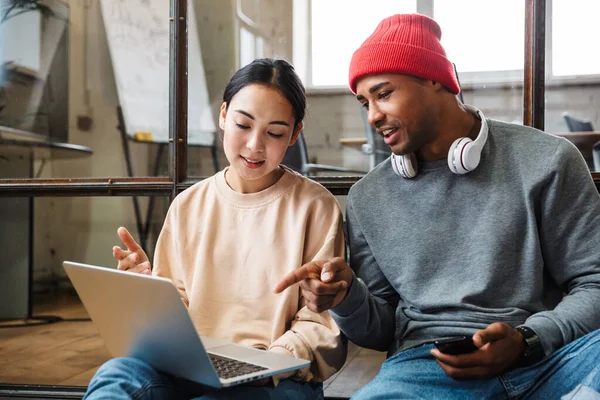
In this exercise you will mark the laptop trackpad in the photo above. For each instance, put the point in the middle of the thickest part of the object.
(238, 352)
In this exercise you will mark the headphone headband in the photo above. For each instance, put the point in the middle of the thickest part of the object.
(483, 131)
(463, 156)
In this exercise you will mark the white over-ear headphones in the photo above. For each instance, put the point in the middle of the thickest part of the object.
(463, 156)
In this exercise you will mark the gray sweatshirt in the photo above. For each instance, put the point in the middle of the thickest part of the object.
(517, 240)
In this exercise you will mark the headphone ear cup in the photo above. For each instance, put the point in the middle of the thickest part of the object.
(471, 156)
(410, 164)
(456, 153)
(406, 166)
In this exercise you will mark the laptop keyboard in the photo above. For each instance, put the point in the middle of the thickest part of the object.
(230, 368)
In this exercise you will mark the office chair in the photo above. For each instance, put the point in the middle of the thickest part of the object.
(576, 124)
(584, 125)
(296, 158)
(596, 156)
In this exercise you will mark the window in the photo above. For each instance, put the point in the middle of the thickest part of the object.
(573, 29)
(250, 40)
(350, 20)
(485, 39)
(251, 47)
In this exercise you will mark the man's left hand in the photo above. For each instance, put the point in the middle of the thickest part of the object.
(500, 348)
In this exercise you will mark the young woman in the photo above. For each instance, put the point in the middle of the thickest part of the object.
(229, 239)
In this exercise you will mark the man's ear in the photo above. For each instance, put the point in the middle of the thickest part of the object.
(437, 86)
(222, 115)
(299, 128)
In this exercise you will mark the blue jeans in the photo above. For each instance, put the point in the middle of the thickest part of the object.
(130, 378)
(414, 374)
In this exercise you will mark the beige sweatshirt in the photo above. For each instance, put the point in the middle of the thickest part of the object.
(225, 251)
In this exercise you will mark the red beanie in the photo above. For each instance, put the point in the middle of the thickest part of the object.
(406, 44)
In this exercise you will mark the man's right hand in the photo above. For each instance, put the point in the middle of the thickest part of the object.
(134, 259)
(324, 284)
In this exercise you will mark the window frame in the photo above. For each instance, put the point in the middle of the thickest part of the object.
(178, 179)
(472, 79)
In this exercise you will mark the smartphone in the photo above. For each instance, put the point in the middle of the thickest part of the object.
(456, 345)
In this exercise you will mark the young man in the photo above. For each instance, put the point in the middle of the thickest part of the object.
(474, 228)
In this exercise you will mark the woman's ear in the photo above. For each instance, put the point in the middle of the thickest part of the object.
(222, 115)
(296, 133)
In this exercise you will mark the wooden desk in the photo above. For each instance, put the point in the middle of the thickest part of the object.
(353, 142)
(41, 149)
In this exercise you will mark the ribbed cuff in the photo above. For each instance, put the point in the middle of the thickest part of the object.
(356, 296)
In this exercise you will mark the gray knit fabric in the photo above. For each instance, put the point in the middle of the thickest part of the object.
(442, 254)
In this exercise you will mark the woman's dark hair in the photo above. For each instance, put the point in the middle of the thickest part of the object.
(278, 74)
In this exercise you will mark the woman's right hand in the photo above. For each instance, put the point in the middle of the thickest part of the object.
(134, 259)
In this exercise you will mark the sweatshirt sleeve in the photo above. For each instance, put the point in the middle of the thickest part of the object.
(315, 336)
(569, 226)
(166, 254)
(367, 313)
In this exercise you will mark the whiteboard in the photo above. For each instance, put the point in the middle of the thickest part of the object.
(137, 32)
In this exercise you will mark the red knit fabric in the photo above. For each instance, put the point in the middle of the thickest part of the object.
(405, 44)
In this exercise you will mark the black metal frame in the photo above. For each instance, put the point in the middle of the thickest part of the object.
(41, 391)
(143, 225)
(136, 203)
(178, 179)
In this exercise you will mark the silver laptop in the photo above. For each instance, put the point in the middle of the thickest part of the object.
(143, 316)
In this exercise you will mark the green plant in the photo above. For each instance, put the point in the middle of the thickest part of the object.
(18, 7)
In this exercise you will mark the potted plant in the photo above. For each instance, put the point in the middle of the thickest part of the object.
(10, 9)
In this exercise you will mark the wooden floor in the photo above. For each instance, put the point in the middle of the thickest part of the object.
(69, 352)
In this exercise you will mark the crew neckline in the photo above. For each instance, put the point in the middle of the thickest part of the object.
(265, 196)
(431, 165)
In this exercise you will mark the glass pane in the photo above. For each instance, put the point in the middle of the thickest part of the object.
(353, 22)
(247, 47)
(334, 128)
(45, 232)
(65, 73)
(15, 242)
(229, 41)
(260, 47)
(573, 24)
(212, 43)
(475, 46)
(489, 65)
(22, 74)
(573, 71)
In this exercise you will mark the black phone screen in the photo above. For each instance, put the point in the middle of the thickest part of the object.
(457, 345)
